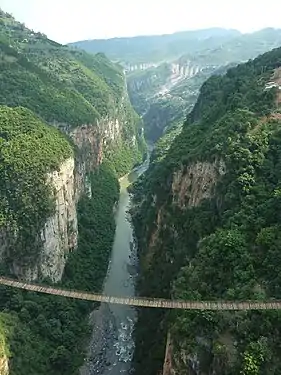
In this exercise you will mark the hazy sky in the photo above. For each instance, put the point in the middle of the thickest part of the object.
(72, 20)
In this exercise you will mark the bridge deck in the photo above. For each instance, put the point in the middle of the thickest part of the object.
(145, 302)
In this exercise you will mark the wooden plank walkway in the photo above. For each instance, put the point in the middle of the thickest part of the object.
(145, 302)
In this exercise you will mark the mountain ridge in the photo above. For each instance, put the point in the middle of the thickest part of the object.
(67, 132)
(208, 226)
(154, 46)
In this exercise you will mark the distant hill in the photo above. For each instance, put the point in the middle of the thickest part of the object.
(243, 47)
(157, 48)
(221, 46)
(164, 94)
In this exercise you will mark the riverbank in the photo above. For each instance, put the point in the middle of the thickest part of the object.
(112, 345)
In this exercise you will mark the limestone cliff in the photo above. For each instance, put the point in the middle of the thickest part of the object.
(188, 187)
(168, 365)
(4, 365)
(195, 183)
(70, 114)
(208, 225)
(58, 235)
(141, 66)
(166, 74)
(60, 232)
(5, 330)
(53, 239)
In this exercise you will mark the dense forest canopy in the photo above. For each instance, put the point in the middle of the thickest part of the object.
(221, 242)
(29, 150)
(60, 84)
(207, 213)
(47, 93)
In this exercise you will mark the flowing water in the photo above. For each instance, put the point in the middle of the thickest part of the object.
(112, 344)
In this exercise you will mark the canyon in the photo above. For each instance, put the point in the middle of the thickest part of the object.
(59, 151)
(196, 219)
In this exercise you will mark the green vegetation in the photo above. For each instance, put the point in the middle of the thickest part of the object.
(29, 149)
(224, 247)
(163, 114)
(86, 267)
(221, 46)
(161, 110)
(50, 332)
(62, 85)
(44, 84)
(7, 324)
(144, 85)
(160, 48)
(164, 143)
(131, 146)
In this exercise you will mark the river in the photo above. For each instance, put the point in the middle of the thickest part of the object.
(112, 345)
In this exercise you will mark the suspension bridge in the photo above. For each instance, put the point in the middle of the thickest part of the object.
(145, 302)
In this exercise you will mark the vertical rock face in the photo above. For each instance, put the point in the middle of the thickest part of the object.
(179, 363)
(3, 244)
(168, 366)
(45, 254)
(4, 365)
(88, 141)
(140, 66)
(91, 142)
(195, 183)
(185, 69)
(186, 188)
(4, 361)
(60, 233)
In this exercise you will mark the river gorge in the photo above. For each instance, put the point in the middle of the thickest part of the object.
(112, 344)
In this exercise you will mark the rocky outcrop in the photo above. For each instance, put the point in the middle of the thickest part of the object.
(185, 362)
(195, 183)
(164, 75)
(168, 365)
(185, 69)
(60, 233)
(4, 361)
(144, 82)
(4, 365)
(91, 142)
(185, 188)
(88, 141)
(4, 241)
(140, 66)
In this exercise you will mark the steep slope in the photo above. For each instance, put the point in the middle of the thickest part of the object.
(173, 103)
(207, 220)
(67, 131)
(72, 94)
(164, 94)
(31, 153)
(7, 325)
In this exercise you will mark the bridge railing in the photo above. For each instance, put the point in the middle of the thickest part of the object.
(144, 301)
